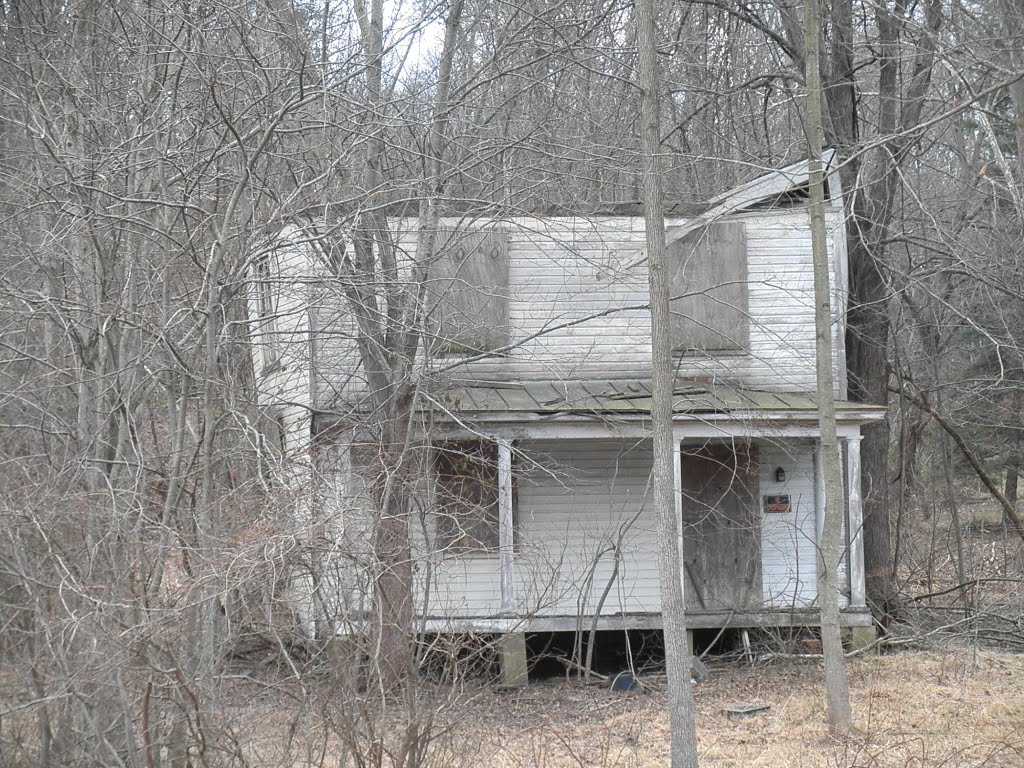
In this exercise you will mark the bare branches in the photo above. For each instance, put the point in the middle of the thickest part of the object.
(921, 401)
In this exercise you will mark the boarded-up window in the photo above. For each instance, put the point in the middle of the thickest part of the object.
(466, 496)
(709, 272)
(467, 295)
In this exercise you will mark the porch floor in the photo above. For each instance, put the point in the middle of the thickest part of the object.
(849, 617)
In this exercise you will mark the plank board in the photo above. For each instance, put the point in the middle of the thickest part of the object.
(709, 273)
(721, 527)
(467, 295)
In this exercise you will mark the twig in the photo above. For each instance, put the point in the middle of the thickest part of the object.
(570, 664)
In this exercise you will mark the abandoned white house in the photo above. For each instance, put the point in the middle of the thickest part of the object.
(533, 414)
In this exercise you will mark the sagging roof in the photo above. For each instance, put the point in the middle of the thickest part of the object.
(632, 396)
(772, 188)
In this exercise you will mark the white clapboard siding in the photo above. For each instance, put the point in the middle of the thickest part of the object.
(788, 539)
(344, 515)
(279, 308)
(577, 288)
(572, 503)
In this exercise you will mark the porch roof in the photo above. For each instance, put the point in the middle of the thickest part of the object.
(632, 396)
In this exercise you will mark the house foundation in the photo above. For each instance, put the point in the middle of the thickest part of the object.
(859, 638)
(512, 669)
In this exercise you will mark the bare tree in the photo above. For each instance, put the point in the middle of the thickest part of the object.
(837, 691)
(670, 555)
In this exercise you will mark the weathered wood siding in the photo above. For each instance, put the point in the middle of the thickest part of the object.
(722, 525)
(571, 502)
(280, 330)
(467, 292)
(279, 309)
(709, 275)
(576, 309)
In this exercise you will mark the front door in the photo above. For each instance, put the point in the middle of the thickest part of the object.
(721, 527)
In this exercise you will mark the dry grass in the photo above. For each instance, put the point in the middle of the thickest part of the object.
(913, 710)
(954, 709)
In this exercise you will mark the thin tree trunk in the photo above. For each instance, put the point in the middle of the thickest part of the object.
(670, 556)
(954, 514)
(1012, 476)
(393, 360)
(837, 693)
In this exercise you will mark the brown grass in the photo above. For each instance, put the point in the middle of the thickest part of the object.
(952, 709)
(913, 710)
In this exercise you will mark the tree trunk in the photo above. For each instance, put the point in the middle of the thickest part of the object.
(1012, 477)
(670, 556)
(837, 693)
(875, 179)
(392, 650)
(867, 341)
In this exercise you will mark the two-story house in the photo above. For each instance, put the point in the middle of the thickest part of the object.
(533, 407)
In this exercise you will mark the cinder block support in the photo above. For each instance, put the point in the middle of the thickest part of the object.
(860, 638)
(512, 660)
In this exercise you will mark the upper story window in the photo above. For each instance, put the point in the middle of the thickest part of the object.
(708, 269)
(264, 274)
(467, 294)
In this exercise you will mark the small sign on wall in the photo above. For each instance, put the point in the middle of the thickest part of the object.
(776, 503)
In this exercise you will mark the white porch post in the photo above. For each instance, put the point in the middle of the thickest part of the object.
(858, 590)
(677, 481)
(505, 530)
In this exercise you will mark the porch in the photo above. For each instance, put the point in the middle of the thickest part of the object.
(576, 539)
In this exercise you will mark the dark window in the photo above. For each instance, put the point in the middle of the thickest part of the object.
(708, 268)
(467, 294)
(466, 496)
(266, 306)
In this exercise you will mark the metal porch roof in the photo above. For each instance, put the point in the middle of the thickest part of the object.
(626, 397)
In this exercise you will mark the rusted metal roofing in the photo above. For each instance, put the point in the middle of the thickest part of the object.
(622, 396)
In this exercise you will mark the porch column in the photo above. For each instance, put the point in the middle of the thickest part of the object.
(677, 488)
(505, 530)
(856, 524)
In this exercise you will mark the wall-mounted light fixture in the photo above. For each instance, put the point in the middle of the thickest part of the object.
(780, 475)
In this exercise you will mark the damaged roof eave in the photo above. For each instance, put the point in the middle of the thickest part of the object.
(758, 190)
